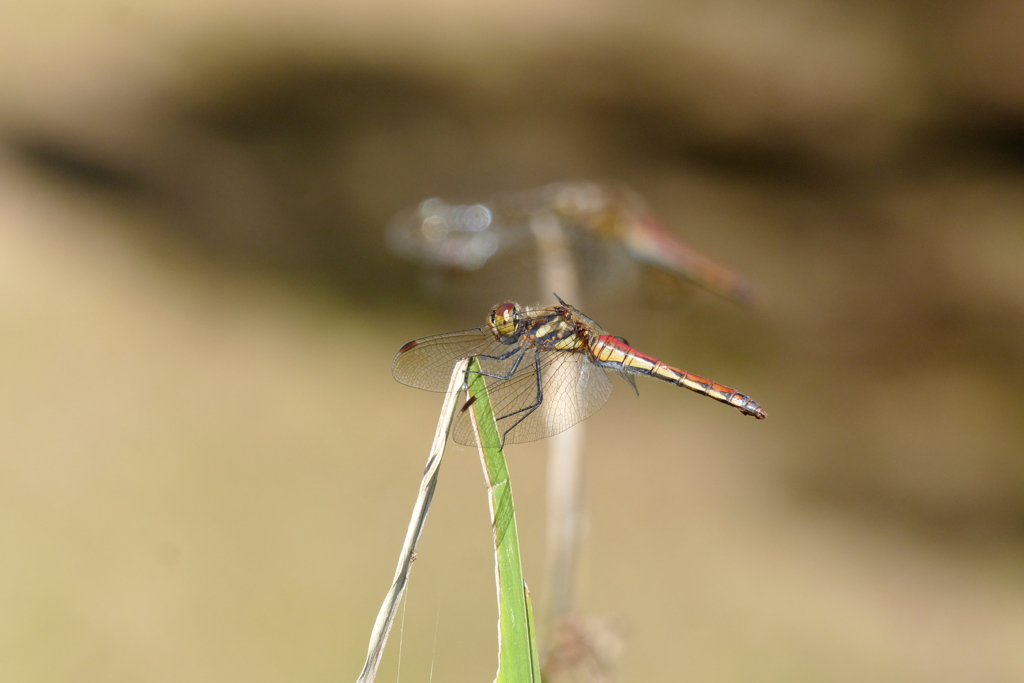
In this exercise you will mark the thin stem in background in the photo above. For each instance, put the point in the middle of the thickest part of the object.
(558, 274)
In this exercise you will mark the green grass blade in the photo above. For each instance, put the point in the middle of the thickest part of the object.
(518, 661)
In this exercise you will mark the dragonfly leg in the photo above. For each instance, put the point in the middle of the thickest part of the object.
(504, 356)
(528, 410)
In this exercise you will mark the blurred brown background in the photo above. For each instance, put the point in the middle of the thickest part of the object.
(206, 468)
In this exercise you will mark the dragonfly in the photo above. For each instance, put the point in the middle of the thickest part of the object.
(548, 370)
(465, 237)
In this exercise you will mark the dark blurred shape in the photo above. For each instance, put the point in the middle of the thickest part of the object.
(997, 140)
(64, 161)
(290, 133)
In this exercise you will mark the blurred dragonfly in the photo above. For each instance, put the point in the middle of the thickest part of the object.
(547, 368)
(466, 236)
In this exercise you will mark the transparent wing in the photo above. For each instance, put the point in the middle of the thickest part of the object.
(427, 363)
(573, 390)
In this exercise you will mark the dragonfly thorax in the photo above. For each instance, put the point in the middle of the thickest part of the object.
(506, 322)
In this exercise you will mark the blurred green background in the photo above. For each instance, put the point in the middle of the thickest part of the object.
(206, 468)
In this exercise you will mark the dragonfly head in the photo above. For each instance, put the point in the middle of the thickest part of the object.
(507, 322)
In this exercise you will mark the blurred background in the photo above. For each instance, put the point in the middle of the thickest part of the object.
(206, 468)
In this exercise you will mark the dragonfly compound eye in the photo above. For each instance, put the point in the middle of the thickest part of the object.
(506, 321)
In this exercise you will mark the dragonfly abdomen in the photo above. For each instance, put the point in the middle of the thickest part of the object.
(613, 352)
